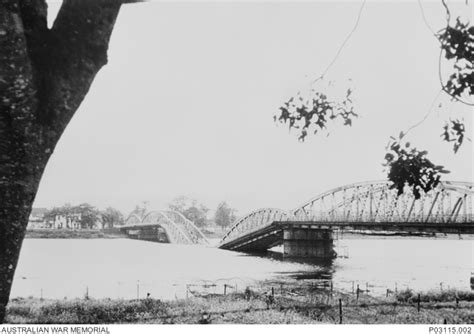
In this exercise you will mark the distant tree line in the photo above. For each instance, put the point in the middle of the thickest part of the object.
(196, 212)
(224, 215)
(89, 215)
(191, 209)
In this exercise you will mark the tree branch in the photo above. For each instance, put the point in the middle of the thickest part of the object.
(77, 49)
(17, 88)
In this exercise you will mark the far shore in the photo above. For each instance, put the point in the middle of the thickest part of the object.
(49, 233)
(107, 233)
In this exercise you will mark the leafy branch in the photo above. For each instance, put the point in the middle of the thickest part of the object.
(457, 44)
(410, 166)
(454, 132)
(313, 113)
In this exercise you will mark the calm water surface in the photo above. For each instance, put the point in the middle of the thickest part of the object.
(123, 268)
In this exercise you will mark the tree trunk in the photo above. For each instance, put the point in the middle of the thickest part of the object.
(13, 221)
(44, 76)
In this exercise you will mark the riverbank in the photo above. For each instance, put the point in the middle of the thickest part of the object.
(301, 303)
(46, 233)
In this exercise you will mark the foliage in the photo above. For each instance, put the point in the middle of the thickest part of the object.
(448, 295)
(224, 215)
(457, 42)
(407, 165)
(85, 213)
(140, 209)
(88, 311)
(179, 204)
(196, 214)
(111, 217)
(454, 132)
(312, 113)
(191, 209)
(404, 165)
(65, 210)
(412, 166)
(89, 215)
(296, 303)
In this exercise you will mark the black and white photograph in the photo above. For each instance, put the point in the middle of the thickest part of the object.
(226, 162)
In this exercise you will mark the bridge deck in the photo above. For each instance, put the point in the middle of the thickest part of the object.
(138, 226)
(272, 235)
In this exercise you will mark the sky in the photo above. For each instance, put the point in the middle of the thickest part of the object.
(185, 105)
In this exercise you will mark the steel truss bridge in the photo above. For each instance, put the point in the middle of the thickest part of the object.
(176, 227)
(368, 206)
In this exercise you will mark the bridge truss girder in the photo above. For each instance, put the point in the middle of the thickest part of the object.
(368, 202)
(376, 202)
(253, 221)
(178, 228)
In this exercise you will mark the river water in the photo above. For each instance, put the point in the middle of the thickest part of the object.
(124, 268)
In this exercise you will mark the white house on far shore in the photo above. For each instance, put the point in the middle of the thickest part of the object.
(37, 220)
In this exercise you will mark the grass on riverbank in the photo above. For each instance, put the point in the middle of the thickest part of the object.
(302, 305)
(449, 295)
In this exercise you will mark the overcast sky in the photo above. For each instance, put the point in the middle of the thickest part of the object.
(185, 104)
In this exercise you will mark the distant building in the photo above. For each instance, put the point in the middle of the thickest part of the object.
(73, 221)
(36, 219)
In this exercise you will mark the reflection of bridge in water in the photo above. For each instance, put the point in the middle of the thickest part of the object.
(307, 231)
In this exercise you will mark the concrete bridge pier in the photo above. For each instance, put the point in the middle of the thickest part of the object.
(308, 243)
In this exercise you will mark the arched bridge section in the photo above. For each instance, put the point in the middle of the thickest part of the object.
(241, 233)
(193, 233)
(173, 225)
(368, 206)
(133, 219)
(375, 202)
